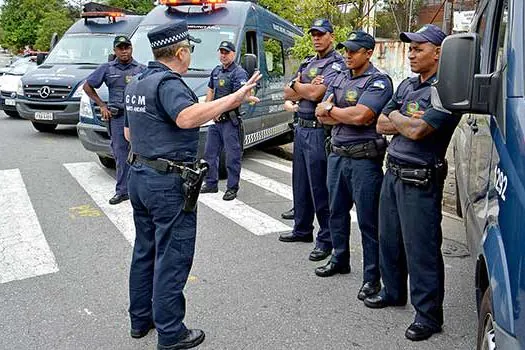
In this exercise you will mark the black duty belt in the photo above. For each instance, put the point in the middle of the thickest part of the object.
(365, 150)
(419, 175)
(160, 164)
(307, 123)
(116, 112)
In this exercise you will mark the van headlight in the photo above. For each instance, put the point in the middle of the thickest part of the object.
(86, 111)
(79, 91)
(20, 88)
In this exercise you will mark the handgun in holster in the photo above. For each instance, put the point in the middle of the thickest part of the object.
(191, 187)
(441, 171)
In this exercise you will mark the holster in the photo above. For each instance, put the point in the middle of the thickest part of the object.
(421, 177)
(367, 150)
(193, 178)
(232, 115)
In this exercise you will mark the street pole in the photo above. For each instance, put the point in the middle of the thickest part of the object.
(448, 14)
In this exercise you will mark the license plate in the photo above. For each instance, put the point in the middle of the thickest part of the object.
(10, 102)
(43, 115)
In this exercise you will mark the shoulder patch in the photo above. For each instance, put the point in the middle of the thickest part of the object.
(381, 84)
(336, 66)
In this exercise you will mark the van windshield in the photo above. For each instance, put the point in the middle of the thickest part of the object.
(82, 49)
(205, 55)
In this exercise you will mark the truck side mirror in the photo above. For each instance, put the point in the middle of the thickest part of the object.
(249, 63)
(40, 58)
(459, 63)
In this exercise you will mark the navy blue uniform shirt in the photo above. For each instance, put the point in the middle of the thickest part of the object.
(411, 96)
(372, 89)
(329, 67)
(224, 81)
(116, 76)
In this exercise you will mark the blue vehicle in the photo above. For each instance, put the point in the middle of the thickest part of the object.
(482, 76)
(50, 95)
(262, 39)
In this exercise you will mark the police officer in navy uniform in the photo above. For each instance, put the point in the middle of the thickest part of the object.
(352, 104)
(163, 118)
(225, 134)
(116, 75)
(410, 203)
(309, 158)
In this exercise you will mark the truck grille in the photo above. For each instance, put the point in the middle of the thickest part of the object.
(47, 92)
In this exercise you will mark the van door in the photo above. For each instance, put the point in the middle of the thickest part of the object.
(251, 113)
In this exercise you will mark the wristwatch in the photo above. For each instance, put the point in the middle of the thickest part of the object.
(329, 107)
(291, 84)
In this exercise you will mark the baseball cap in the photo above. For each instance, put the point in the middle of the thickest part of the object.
(227, 45)
(428, 33)
(121, 40)
(356, 40)
(323, 25)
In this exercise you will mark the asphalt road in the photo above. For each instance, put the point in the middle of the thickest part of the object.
(65, 254)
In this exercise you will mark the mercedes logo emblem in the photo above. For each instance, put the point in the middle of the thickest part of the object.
(13, 95)
(44, 92)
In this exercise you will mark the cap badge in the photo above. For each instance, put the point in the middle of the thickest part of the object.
(122, 39)
(352, 36)
(422, 29)
(319, 22)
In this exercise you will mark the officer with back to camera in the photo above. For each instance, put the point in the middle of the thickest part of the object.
(410, 203)
(116, 75)
(352, 103)
(163, 118)
(225, 134)
(310, 194)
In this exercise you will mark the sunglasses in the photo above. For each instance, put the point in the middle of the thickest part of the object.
(191, 48)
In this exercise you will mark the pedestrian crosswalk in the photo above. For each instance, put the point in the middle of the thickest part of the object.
(25, 253)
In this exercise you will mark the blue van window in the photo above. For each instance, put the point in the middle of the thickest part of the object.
(82, 49)
(273, 50)
(205, 55)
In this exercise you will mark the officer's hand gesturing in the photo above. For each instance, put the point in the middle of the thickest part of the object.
(106, 114)
(244, 94)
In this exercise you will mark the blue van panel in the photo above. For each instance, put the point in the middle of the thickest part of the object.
(124, 25)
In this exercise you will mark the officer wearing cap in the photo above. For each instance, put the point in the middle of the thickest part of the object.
(162, 124)
(310, 194)
(352, 104)
(225, 134)
(410, 203)
(116, 75)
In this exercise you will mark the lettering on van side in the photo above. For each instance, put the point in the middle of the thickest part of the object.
(136, 103)
(283, 30)
(500, 181)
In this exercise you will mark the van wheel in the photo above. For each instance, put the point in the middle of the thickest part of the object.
(12, 114)
(44, 127)
(107, 162)
(486, 338)
(459, 211)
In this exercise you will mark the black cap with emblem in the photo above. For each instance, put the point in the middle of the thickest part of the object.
(227, 45)
(121, 40)
(169, 34)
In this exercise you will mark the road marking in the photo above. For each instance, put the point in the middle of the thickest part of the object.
(101, 187)
(86, 210)
(24, 251)
(242, 214)
(267, 183)
(278, 166)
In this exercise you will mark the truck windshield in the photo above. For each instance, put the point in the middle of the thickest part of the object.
(82, 49)
(205, 55)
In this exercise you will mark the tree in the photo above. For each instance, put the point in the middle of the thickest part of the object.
(139, 6)
(397, 16)
(55, 21)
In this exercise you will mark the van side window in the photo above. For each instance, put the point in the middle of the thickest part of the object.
(274, 53)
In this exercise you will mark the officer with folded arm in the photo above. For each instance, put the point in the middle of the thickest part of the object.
(163, 118)
(225, 134)
(410, 203)
(116, 75)
(352, 103)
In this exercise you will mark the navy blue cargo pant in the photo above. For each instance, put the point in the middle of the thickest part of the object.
(163, 252)
(410, 243)
(310, 194)
(355, 181)
(120, 149)
(223, 135)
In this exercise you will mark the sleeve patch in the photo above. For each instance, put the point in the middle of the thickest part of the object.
(336, 66)
(379, 84)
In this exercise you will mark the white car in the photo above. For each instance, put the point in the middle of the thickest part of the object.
(9, 83)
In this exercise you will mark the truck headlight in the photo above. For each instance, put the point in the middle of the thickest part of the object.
(79, 90)
(20, 88)
(86, 111)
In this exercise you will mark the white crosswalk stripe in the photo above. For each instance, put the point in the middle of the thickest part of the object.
(101, 186)
(24, 251)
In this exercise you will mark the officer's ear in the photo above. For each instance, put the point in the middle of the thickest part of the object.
(437, 52)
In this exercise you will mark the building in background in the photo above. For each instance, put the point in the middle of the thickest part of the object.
(433, 11)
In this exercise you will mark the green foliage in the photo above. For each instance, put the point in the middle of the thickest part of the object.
(22, 20)
(303, 45)
(395, 17)
(139, 6)
(55, 21)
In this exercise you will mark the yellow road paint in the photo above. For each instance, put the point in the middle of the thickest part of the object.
(86, 210)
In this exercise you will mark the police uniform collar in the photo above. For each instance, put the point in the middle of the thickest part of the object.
(429, 81)
(161, 66)
(328, 54)
(230, 68)
(116, 62)
(369, 71)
